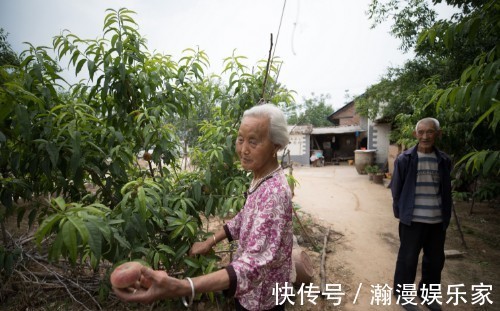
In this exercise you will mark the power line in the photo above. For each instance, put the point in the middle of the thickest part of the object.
(295, 27)
(271, 56)
(279, 27)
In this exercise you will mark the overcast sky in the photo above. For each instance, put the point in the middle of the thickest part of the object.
(327, 46)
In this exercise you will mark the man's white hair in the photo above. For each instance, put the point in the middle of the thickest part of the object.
(427, 120)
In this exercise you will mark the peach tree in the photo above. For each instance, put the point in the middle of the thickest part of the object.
(71, 150)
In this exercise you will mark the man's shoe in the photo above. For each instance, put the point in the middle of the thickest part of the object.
(410, 307)
(434, 306)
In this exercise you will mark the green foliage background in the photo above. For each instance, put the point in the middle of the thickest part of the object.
(454, 77)
(314, 111)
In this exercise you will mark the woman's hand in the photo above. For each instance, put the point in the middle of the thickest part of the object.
(154, 285)
(201, 248)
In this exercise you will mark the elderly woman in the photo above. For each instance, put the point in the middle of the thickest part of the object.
(263, 260)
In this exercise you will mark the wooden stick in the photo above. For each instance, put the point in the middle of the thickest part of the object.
(322, 267)
(458, 224)
(473, 196)
(267, 70)
(458, 221)
(304, 230)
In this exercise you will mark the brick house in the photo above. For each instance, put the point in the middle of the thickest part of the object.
(336, 143)
(374, 134)
(349, 132)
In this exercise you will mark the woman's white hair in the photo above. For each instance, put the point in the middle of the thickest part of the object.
(278, 131)
(428, 120)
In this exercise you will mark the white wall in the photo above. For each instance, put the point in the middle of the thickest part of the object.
(297, 145)
(299, 148)
(380, 141)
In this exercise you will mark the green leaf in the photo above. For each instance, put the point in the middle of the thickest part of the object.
(97, 209)
(95, 238)
(181, 251)
(124, 243)
(53, 152)
(475, 97)
(490, 163)
(142, 250)
(119, 47)
(24, 126)
(141, 196)
(166, 249)
(105, 228)
(191, 262)
(466, 74)
(123, 71)
(485, 115)
(32, 217)
(449, 36)
(153, 184)
(443, 99)
(46, 227)
(490, 92)
(69, 237)
(173, 235)
(459, 100)
(76, 153)
(197, 191)
(60, 203)
(56, 249)
(80, 65)
(153, 194)
(491, 70)
(432, 36)
(192, 228)
(80, 226)
(110, 19)
(208, 205)
(91, 68)
(6, 109)
(20, 215)
(128, 185)
(75, 56)
(156, 260)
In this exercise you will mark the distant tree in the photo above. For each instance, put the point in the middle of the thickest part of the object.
(7, 55)
(313, 111)
(409, 18)
(453, 77)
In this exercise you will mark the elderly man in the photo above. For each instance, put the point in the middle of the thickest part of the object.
(421, 191)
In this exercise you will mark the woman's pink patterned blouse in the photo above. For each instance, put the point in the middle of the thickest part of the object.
(264, 255)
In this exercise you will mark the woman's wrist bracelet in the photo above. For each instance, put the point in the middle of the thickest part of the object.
(215, 241)
(186, 304)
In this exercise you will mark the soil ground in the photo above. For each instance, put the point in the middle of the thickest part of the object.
(360, 254)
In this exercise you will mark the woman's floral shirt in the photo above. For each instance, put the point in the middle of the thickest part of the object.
(262, 262)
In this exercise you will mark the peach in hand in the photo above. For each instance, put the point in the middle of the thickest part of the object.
(126, 275)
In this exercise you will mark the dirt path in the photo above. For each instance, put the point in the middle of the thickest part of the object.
(361, 211)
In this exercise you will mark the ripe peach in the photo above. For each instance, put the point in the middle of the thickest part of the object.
(126, 275)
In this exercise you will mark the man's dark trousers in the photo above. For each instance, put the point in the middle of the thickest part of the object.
(430, 238)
